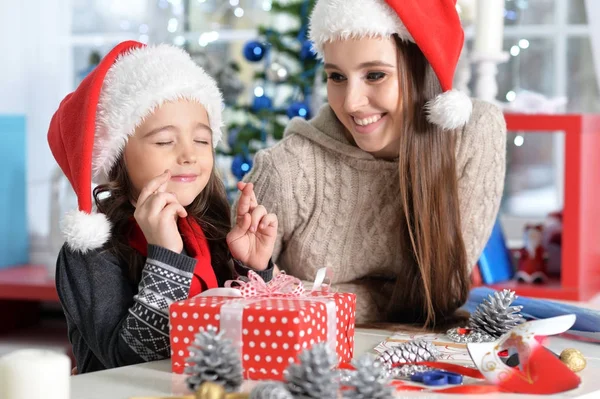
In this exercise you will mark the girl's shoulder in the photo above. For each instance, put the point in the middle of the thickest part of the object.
(71, 258)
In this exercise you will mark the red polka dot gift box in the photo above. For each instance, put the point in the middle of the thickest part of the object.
(271, 324)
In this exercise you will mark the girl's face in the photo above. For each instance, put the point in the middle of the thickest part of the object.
(364, 92)
(176, 137)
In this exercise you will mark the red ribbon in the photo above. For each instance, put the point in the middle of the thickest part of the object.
(455, 368)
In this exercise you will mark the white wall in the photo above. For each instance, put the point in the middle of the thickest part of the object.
(35, 74)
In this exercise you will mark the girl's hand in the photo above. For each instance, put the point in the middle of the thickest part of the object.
(156, 212)
(252, 239)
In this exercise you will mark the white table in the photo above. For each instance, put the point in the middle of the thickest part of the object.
(156, 379)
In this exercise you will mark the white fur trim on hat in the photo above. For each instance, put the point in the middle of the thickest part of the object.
(449, 110)
(344, 19)
(139, 82)
(85, 231)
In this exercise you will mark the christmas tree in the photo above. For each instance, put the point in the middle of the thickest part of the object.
(287, 82)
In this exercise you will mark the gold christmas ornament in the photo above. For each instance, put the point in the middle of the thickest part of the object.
(208, 390)
(574, 359)
(211, 390)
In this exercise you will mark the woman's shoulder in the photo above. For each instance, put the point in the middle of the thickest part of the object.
(486, 118)
(483, 138)
(487, 124)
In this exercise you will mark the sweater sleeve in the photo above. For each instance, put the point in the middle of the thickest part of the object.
(121, 327)
(242, 270)
(268, 183)
(481, 167)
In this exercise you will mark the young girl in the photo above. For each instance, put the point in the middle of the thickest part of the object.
(396, 183)
(143, 125)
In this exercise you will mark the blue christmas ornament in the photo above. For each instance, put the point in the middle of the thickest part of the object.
(300, 109)
(306, 52)
(254, 51)
(262, 102)
(232, 136)
(240, 166)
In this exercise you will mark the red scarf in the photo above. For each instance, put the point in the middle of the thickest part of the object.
(196, 246)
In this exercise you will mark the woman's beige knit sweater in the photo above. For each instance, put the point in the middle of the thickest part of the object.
(339, 207)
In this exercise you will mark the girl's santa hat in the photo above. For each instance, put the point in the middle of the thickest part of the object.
(89, 130)
(433, 25)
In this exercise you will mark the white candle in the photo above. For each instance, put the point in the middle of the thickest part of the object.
(35, 373)
(489, 26)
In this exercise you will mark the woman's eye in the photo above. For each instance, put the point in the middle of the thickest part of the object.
(164, 143)
(375, 76)
(336, 77)
(202, 141)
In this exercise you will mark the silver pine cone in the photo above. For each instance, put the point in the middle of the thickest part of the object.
(410, 352)
(270, 390)
(369, 381)
(214, 359)
(315, 376)
(495, 316)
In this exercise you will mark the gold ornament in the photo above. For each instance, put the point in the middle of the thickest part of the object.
(211, 390)
(208, 390)
(574, 359)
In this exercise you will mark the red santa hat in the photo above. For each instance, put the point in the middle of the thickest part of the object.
(433, 25)
(88, 132)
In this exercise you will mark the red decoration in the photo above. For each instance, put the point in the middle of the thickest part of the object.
(581, 214)
(273, 330)
(532, 267)
(543, 374)
(463, 331)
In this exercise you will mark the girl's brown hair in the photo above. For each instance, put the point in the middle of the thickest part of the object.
(435, 280)
(210, 208)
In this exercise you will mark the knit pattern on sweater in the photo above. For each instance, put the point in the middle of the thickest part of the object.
(339, 207)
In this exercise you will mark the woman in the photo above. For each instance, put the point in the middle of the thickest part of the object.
(396, 183)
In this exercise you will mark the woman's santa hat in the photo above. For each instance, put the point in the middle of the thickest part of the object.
(89, 130)
(433, 25)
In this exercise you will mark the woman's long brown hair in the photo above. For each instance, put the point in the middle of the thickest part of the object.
(210, 208)
(435, 281)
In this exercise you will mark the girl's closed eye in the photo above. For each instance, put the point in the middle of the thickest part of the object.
(202, 141)
(163, 139)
